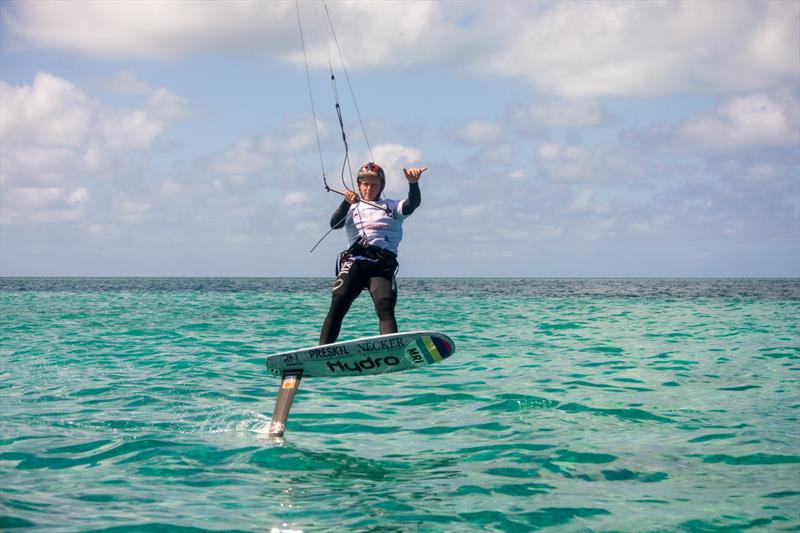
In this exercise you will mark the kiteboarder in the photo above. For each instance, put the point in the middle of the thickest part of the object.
(374, 229)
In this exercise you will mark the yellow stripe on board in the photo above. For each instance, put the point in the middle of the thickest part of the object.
(432, 349)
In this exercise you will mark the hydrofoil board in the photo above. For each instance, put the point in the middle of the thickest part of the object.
(366, 356)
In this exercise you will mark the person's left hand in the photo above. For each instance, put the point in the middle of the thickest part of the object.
(413, 174)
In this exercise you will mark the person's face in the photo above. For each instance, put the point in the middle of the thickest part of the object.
(370, 187)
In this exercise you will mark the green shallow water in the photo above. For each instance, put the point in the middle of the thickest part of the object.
(601, 405)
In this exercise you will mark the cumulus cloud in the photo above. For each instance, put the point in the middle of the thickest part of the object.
(582, 202)
(652, 226)
(600, 164)
(126, 81)
(739, 127)
(393, 158)
(55, 134)
(50, 112)
(245, 157)
(575, 55)
(758, 177)
(135, 208)
(126, 28)
(253, 154)
(31, 164)
(497, 155)
(478, 132)
(43, 204)
(643, 48)
(752, 120)
(132, 211)
(568, 49)
(577, 113)
(294, 198)
(518, 175)
(472, 210)
(421, 32)
(53, 120)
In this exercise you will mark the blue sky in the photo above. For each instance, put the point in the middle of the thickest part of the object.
(175, 138)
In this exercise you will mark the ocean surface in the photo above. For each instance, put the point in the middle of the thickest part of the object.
(570, 405)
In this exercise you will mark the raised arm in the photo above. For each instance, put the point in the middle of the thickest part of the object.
(413, 200)
(414, 196)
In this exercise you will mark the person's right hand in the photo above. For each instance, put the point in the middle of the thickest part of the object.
(351, 197)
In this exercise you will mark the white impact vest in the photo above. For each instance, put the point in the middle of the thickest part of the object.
(382, 230)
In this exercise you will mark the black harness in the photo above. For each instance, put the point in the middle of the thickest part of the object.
(361, 248)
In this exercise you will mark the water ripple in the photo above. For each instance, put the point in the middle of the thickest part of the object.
(602, 405)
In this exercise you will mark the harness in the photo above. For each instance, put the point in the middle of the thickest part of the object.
(361, 248)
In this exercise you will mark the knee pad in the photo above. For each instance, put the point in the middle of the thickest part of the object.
(385, 308)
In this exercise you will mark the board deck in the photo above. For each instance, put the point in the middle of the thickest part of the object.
(365, 356)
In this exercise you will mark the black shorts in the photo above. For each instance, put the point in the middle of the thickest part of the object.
(356, 272)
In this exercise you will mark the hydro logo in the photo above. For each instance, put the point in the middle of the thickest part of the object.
(364, 364)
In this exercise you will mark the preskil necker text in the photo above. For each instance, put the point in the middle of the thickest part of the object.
(325, 352)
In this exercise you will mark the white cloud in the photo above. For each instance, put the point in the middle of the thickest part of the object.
(497, 155)
(34, 198)
(169, 188)
(236, 238)
(765, 174)
(244, 157)
(50, 112)
(96, 158)
(549, 151)
(251, 155)
(641, 48)
(393, 158)
(518, 175)
(294, 198)
(103, 232)
(132, 211)
(655, 225)
(77, 197)
(421, 32)
(126, 81)
(54, 135)
(43, 204)
(165, 105)
(478, 132)
(53, 122)
(472, 210)
(30, 164)
(753, 120)
(760, 175)
(569, 48)
(599, 164)
(548, 231)
(582, 202)
(134, 208)
(297, 136)
(600, 229)
(123, 130)
(578, 113)
(128, 28)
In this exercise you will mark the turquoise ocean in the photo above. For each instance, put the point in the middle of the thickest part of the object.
(570, 405)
